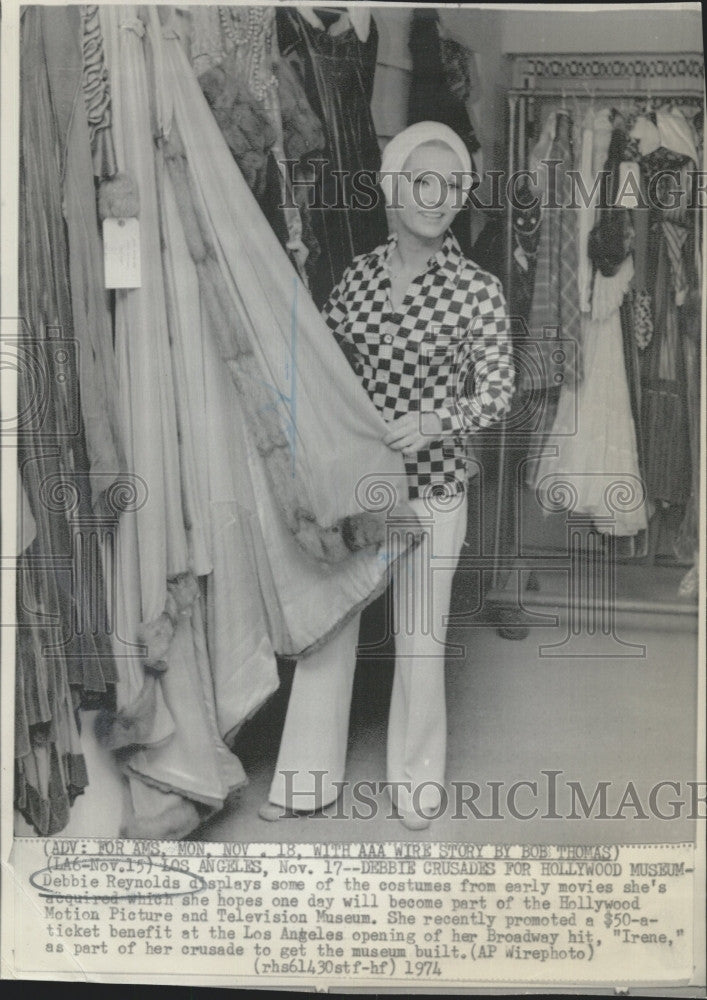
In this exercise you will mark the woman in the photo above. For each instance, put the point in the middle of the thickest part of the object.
(418, 322)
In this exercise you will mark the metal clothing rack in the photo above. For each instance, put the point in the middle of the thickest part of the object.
(597, 86)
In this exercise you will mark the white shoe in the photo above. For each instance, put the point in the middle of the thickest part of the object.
(271, 813)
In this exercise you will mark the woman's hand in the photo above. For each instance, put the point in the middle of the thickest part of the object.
(413, 432)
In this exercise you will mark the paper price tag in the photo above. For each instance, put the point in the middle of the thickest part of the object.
(121, 253)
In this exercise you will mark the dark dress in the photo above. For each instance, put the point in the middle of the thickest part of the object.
(666, 404)
(432, 99)
(348, 215)
(63, 654)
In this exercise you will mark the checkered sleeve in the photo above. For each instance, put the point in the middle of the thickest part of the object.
(492, 366)
(335, 310)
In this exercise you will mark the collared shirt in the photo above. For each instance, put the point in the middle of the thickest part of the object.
(446, 350)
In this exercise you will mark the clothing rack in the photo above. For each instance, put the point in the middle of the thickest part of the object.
(574, 94)
(572, 89)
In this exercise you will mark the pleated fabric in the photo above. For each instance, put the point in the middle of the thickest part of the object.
(63, 653)
(270, 333)
(173, 752)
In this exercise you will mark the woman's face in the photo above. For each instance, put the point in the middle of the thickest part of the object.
(429, 192)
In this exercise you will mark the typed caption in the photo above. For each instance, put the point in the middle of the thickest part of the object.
(382, 913)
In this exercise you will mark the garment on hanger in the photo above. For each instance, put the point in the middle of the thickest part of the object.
(303, 142)
(337, 70)
(177, 767)
(59, 666)
(526, 222)
(433, 98)
(593, 430)
(675, 133)
(664, 376)
(249, 290)
(83, 146)
(234, 53)
(645, 132)
(96, 89)
(611, 238)
(556, 294)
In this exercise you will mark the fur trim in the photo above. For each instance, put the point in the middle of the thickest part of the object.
(132, 724)
(157, 636)
(184, 591)
(118, 198)
(262, 409)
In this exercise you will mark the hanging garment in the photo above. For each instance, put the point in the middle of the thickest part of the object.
(303, 141)
(586, 210)
(645, 132)
(63, 654)
(675, 133)
(264, 322)
(665, 404)
(96, 90)
(92, 323)
(555, 304)
(611, 238)
(436, 62)
(219, 504)
(337, 69)
(234, 51)
(593, 430)
(177, 765)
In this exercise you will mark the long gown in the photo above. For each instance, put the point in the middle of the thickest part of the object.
(231, 301)
(593, 430)
(189, 763)
(273, 334)
(59, 666)
(592, 453)
(337, 72)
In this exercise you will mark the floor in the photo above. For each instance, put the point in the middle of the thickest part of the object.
(615, 704)
(515, 708)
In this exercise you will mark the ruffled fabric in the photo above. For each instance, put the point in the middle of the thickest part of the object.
(96, 92)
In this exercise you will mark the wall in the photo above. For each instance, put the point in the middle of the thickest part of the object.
(644, 30)
(492, 33)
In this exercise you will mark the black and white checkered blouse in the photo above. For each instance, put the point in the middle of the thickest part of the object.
(447, 350)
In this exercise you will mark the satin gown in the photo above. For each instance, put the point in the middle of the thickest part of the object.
(338, 72)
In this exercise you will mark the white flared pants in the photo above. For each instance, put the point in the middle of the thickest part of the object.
(312, 757)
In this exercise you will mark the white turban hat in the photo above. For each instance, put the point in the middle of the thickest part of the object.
(400, 146)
